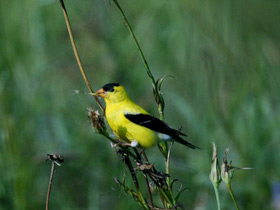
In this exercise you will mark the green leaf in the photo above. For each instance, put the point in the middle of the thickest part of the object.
(179, 193)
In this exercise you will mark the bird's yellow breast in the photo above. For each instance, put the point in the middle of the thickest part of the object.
(124, 128)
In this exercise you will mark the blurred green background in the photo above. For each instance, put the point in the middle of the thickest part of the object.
(224, 55)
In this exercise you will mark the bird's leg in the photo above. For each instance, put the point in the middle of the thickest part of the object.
(133, 144)
(119, 143)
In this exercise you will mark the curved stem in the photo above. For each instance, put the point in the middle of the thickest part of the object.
(50, 185)
(77, 54)
(137, 44)
(232, 196)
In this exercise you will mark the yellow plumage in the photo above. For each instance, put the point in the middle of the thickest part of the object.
(117, 105)
(131, 122)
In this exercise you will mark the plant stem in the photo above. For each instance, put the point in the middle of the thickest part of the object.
(50, 185)
(147, 181)
(215, 185)
(149, 190)
(145, 175)
(77, 54)
(160, 112)
(128, 163)
(136, 43)
(232, 196)
(167, 165)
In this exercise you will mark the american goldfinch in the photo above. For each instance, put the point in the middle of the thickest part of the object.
(132, 123)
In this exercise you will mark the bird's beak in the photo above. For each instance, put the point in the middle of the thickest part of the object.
(101, 93)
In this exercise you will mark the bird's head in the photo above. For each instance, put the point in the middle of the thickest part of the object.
(112, 93)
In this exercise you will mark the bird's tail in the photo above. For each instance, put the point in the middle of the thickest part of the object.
(185, 142)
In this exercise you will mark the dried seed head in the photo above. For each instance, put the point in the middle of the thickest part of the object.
(227, 169)
(55, 157)
(97, 121)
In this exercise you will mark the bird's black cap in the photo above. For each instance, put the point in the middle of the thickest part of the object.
(110, 87)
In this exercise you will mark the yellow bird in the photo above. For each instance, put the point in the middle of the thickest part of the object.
(132, 123)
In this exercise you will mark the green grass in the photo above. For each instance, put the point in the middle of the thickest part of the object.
(224, 56)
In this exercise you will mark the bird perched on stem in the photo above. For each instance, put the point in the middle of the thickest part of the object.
(132, 123)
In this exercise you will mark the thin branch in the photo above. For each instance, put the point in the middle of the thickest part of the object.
(149, 190)
(146, 177)
(50, 186)
(128, 163)
(77, 54)
(137, 44)
(56, 160)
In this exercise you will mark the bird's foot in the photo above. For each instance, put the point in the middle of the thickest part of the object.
(125, 144)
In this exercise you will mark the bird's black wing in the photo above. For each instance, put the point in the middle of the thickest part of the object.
(157, 125)
(153, 123)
